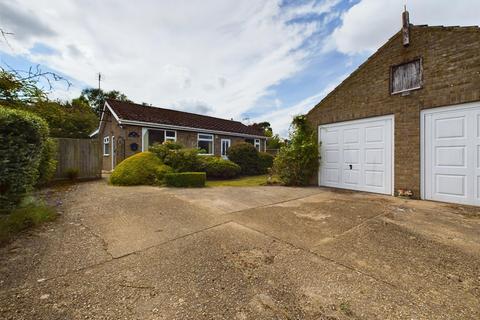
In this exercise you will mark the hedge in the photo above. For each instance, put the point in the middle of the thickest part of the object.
(143, 168)
(22, 139)
(185, 179)
(219, 168)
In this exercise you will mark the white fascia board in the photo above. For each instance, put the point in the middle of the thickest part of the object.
(166, 126)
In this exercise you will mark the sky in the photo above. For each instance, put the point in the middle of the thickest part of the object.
(250, 60)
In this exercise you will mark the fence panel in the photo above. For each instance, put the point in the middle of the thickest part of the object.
(80, 154)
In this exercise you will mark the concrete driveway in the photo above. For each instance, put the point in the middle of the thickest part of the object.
(244, 253)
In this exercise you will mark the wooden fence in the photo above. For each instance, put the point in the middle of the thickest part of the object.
(83, 155)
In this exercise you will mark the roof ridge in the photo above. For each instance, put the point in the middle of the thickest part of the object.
(173, 110)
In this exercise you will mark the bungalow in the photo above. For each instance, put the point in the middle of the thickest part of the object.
(127, 128)
(407, 121)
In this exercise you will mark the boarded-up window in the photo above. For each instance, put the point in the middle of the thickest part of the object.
(407, 76)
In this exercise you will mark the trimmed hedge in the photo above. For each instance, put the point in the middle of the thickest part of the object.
(266, 161)
(185, 179)
(48, 162)
(219, 168)
(143, 168)
(246, 156)
(22, 140)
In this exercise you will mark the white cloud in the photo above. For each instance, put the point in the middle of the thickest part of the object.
(223, 54)
(370, 23)
(280, 120)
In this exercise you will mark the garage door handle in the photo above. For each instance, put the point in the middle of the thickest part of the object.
(350, 166)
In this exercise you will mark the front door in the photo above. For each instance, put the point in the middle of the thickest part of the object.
(224, 147)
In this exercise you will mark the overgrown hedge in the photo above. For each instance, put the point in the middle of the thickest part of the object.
(22, 140)
(179, 158)
(266, 161)
(143, 168)
(185, 179)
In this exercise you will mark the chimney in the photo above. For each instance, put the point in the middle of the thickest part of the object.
(406, 28)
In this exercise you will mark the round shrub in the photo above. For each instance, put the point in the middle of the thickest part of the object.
(185, 179)
(266, 161)
(183, 160)
(246, 156)
(22, 138)
(219, 168)
(139, 169)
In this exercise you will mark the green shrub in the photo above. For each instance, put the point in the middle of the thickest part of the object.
(72, 173)
(246, 156)
(297, 161)
(48, 162)
(266, 161)
(161, 150)
(139, 169)
(22, 137)
(161, 171)
(219, 168)
(183, 160)
(185, 179)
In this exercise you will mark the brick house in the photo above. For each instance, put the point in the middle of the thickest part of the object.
(408, 119)
(128, 128)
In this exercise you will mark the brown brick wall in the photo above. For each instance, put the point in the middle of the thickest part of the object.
(451, 75)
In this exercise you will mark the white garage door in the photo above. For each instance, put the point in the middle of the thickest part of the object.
(357, 155)
(451, 147)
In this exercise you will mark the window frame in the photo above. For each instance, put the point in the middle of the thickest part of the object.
(212, 140)
(392, 68)
(167, 138)
(106, 142)
(146, 142)
(257, 144)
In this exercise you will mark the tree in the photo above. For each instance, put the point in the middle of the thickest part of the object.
(275, 142)
(95, 98)
(297, 161)
(267, 128)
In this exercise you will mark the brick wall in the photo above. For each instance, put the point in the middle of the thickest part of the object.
(451, 75)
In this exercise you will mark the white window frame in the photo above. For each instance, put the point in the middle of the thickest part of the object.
(212, 140)
(165, 138)
(257, 144)
(174, 138)
(106, 140)
(221, 147)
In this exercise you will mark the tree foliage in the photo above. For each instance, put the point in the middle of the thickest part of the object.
(95, 98)
(297, 161)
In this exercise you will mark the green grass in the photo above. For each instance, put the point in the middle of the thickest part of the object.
(28, 215)
(249, 181)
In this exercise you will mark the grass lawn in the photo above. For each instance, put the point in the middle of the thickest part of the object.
(250, 181)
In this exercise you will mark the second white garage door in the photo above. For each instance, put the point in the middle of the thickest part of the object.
(357, 155)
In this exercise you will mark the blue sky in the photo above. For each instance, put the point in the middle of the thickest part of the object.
(261, 60)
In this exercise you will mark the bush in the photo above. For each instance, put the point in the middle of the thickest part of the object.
(161, 171)
(161, 150)
(246, 156)
(139, 169)
(266, 161)
(296, 162)
(22, 138)
(219, 168)
(179, 158)
(72, 173)
(185, 179)
(48, 162)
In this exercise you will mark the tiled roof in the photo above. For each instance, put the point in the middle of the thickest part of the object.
(136, 112)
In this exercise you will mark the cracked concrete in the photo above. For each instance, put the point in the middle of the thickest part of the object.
(244, 253)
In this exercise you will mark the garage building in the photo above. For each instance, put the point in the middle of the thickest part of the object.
(408, 119)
